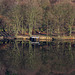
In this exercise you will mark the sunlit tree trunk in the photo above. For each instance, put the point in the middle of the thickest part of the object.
(47, 29)
(58, 31)
(70, 30)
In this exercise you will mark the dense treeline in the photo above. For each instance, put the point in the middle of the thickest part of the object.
(20, 17)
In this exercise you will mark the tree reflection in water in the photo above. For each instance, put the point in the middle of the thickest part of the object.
(48, 58)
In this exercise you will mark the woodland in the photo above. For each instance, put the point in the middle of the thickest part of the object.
(29, 17)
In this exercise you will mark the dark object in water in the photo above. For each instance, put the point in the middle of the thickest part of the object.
(53, 39)
(34, 38)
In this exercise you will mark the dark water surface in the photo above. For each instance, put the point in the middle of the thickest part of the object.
(20, 57)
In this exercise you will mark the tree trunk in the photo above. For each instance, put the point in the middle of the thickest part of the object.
(70, 30)
(30, 30)
(58, 32)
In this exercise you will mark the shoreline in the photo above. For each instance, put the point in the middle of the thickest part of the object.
(40, 37)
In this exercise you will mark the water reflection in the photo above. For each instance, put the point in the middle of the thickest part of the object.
(20, 57)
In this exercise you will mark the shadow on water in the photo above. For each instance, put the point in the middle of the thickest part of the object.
(19, 57)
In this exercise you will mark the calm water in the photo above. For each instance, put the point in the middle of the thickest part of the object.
(20, 57)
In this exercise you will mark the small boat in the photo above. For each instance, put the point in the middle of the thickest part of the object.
(34, 39)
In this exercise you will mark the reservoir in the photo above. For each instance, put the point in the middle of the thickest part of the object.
(19, 57)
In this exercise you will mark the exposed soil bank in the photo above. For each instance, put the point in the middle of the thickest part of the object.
(65, 38)
(40, 37)
(22, 37)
